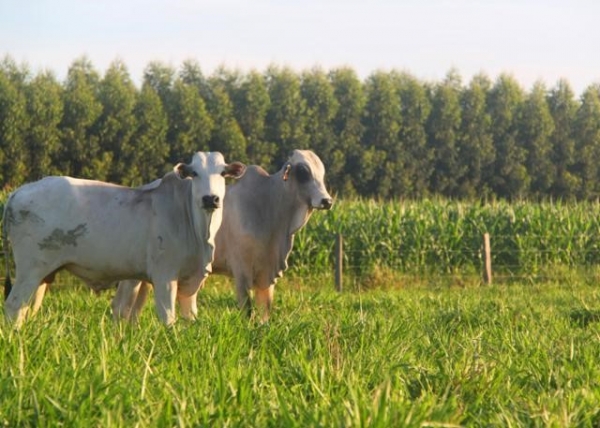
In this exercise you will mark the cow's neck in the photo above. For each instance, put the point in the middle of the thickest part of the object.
(295, 211)
(193, 218)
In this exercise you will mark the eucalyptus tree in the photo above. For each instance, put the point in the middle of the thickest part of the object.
(251, 103)
(475, 141)
(348, 130)
(227, 136)
(510, 179)
(116, 124)
(563, 108)
(382, 121)
(43, 137)
(14, 122)
(321, 109)
(190, 125)
(80, 149)
(535, 131)
(416, 158)
(587, 143)
(160, 77)
(146, 159)
(443, 128)
(286, 118)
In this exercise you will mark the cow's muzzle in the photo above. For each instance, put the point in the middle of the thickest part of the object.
(326, 203)
(211, 202)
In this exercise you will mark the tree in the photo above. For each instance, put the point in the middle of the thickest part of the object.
(190, 124)
(116, 124)
(82, 108)
(510, 179)
(321, 109)
(443, 128)
(535, 130)
(475, 142)
(563, 108)
(348, 130)
(587, 143)
(146, 158)
(14, 122)
(250, 104)
(160, 77)
(286, 117)
(382, 127)
(227, 136)
(42, 138)
(415, 164)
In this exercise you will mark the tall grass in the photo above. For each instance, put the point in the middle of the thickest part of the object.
(489, 356)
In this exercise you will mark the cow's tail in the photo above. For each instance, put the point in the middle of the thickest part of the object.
(5, 247)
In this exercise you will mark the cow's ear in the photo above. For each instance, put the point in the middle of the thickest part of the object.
(183, 170)
(234, 170)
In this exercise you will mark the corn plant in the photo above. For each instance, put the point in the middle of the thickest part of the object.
(445, 237)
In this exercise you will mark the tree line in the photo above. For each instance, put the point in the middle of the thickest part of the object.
(390, 135)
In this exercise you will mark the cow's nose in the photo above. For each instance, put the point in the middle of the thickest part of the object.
(326, 203)
(210, 202)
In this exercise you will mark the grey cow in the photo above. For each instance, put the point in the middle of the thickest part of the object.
(261, 214)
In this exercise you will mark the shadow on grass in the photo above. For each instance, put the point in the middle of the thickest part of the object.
(583, 316)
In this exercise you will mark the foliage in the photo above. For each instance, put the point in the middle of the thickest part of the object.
(445, 237)
(388, 136)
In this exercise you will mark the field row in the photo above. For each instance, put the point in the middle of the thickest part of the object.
(446, 237)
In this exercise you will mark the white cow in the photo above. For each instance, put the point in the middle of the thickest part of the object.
(261, 214)
(104, 233)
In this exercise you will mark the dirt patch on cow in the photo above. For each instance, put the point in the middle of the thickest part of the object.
(59, 238)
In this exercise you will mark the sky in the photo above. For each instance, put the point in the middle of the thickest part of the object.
(532, 40)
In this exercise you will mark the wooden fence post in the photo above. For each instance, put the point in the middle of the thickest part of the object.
(339, 257)
(487, 254)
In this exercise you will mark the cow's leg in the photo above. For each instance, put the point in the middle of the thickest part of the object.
(189, 303)
(263, 297)
(140, 300)
(38, 297)
(242, 286)
(165, 293)
(188, 306)
(125, 298)
(17, 303)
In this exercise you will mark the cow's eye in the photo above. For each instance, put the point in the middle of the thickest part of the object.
(302, 173)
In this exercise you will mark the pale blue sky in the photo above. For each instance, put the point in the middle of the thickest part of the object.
(530, 39)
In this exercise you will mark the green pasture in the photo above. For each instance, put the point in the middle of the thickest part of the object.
(414, 340)
(509, 355)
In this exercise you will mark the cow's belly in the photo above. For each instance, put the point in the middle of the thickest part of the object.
(100, 278)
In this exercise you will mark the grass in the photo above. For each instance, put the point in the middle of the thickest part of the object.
(510, 355)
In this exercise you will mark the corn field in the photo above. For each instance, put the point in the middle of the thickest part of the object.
(446, 237)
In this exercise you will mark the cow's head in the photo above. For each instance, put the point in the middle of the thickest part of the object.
(207, 172)
(306, 173)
